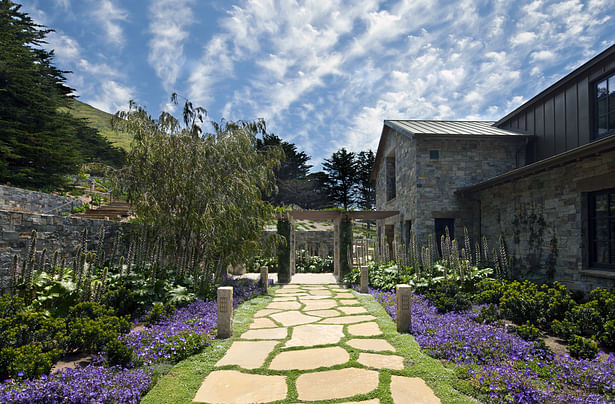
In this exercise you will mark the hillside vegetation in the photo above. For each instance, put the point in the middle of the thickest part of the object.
(100, 120)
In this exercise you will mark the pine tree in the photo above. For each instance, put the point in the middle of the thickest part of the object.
(38, 142)
(341, 170)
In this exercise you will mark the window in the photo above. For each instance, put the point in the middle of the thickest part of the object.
(604, 102)
(602, 229)
(390, 175)
(434, 155)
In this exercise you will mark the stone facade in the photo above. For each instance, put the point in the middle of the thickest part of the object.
(425, 186)
(53, 233)
(543, 219)
(23, 200)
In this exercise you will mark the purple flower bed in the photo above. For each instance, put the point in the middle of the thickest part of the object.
(503, 366)
(91, 384)
(180, 335)
(187, 331)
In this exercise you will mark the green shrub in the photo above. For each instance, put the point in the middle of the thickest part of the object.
(587, 318)
(90, 327)
(605, 302)
(490, 291)
(31, 327)
(564, 329)
(528, 332)
(118, 354)
(489, 314)
(608, 336)
(539, 305)
(123, 301)
(158, 312)
(10, 305)
(582, 348)
(447, 296)
(30, 359)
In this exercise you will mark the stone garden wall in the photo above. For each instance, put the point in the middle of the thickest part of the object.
(543, 218)
(53, 232)
(23, 200)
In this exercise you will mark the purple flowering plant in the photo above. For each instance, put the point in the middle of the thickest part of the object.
(503, 367)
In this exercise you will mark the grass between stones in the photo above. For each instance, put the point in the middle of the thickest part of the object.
(185, 378)
(182, 382)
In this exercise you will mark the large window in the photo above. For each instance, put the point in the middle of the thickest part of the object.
(602, 229)
(605, 107)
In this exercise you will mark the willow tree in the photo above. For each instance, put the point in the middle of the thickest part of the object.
(200, 192)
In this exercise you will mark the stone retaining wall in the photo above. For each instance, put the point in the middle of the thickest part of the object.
(23, 200)
(53, 232)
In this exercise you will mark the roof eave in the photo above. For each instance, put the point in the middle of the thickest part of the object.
(599, 146)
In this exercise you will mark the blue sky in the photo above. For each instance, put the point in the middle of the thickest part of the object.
(323, 73)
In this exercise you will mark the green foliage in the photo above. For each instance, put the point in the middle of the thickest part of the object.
(539, 305)
(528, 332)
(38, 142)
(489, 314)
(564, 329)
(271, 262)
(582, 348)
(118, 354)
(448, 296)
(28, 361)
(587, 318)
(123, 300)
(200, 193)
(158, 312)
(314, 264)
(341, 175)
(608, 337)
(91, 326)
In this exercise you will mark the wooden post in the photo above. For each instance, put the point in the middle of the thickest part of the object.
(284, 252)
(404, 317)
(265, 278)
(364, 278)
(225, 312)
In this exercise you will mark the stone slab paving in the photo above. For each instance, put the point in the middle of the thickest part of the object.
(247, 354)
(322, 333)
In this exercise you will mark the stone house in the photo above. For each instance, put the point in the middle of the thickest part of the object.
(543, 177)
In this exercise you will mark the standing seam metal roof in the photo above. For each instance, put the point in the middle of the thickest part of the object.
(423, 127)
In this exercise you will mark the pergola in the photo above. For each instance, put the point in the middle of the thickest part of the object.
(342, 238)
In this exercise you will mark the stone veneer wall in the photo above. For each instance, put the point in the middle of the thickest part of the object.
(462, 162)
(426, 188)
(543, 219)
(53, 232)
(23, 200)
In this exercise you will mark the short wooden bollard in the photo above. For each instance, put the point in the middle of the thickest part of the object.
(225, 312)
(364, 278)
(403, 308)
(265, 278)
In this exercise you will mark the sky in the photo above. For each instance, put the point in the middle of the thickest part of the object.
(324, 74)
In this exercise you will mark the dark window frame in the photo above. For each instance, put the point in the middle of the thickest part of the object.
(607, 243)
(609, 114)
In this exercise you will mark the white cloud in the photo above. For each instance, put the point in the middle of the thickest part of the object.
(542, 56)
(65, 48)
(109, 16)
(169, 20)
(112, 97)
(523, 38)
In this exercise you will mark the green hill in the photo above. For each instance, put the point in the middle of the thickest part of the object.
(102, 121)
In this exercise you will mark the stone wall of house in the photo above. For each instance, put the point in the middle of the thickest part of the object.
(543, 219)
(23, 200)
(461, 162)
(62, 233)
(402, 148)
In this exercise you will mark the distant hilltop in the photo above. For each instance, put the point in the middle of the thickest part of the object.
(101, 120)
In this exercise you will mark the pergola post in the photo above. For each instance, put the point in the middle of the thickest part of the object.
(336, 247)
(284, 252)
(292, 247)
(345, 246)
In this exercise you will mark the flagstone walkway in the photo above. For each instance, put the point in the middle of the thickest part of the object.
(318, 343)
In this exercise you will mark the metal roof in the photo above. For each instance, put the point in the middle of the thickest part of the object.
(463, 128)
